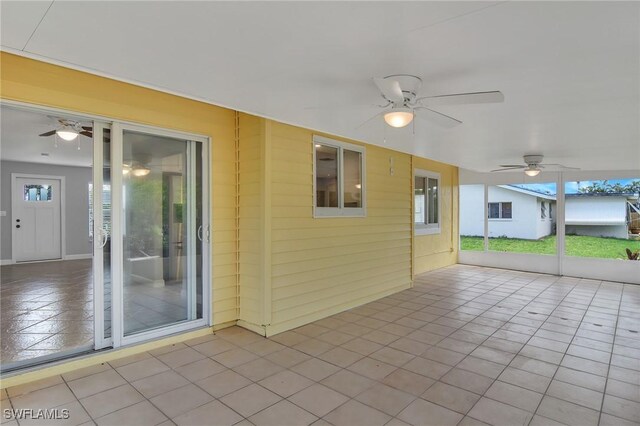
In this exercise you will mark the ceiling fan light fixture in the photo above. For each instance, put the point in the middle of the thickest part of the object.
(140, 171)
(399, 117)
(67, 134)
(532, 171)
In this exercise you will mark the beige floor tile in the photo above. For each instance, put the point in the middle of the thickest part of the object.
(372, 368)
(142, 413)
(538, 420)
(87, 371)
(223, 383)
(426, 367)
(283, 413)
(442, 355)
(160, 383)
(623, 390)
(318, 399)
(392, 356)
(202, 339)
(514, 395)
(286, 383)
(288, 357)
(258, 369)
(315, 369)
(362, 346)
(534, 366)
(453, 398)
(181, 400)
(34, 386)
(335, 337)
(586, 365)
(624, 408)
(264, 347)
(386, 399)
(617, 373)
(609, 420)
(234, 357)
(48, 397)
(581, 378)
(457, 345)
(96, 383)
(129, 359)
(408, 381)
(567, 412)
(348, 383)
(410, 346)
(497, 413)
(354, 413)
(214, 347)
(200, 369)
(181, 357)
(251, 399)
(468, 421)
(503, 345)
(313, 347)
(211, 413)
(166, 349)
(141, 369)
(481, 366)
(467, 380)
(494, 355)
(76, 415)
(340, 356)
(112, 400)
(421, 412)
(576, 394)
(525, 379)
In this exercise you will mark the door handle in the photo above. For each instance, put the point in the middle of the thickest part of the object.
(17, 226)
(199, 232)
(105, 237)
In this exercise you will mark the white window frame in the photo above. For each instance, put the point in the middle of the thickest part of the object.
(500, 218)
(430, 228)
(340, 211)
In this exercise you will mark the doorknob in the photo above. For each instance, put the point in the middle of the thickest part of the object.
(17, 226)
(17, 220)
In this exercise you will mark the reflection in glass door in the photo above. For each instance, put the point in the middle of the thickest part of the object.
(162, 231)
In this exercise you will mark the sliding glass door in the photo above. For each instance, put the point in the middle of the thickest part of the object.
(159, 234)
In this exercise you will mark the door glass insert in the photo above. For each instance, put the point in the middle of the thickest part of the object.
(162, 232)
(37, 192)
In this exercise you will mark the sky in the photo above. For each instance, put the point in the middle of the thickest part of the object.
(570, 187)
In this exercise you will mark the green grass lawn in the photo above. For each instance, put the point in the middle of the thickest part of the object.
(576, 245)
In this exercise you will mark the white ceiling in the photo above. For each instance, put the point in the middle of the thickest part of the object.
(570, 71)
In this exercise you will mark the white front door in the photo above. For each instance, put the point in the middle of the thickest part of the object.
(36, 219)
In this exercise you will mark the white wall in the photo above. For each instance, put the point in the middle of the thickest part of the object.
(525, 223)
(614, 231)
(76, 201)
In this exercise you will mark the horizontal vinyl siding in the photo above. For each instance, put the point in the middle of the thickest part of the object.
(439, 250)
(250, 209)
(325, 265)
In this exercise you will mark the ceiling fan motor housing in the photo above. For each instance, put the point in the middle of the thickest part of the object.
(410, 85)
(533, 159)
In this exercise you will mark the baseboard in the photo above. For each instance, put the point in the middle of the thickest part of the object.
(78, 256)
(6, 262)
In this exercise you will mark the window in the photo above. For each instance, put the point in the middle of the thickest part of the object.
(339, 178)
(37, 193)
(426, 201)
(543, 210)
(106, 209)
(500, 211)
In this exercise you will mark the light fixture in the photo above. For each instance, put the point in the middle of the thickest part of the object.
(67, 133)
(358, 186)
(126, 169)
(140, 171)
(532, 171)
(399, 116)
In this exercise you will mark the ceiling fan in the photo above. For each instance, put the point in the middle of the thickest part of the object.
(533, 165)
(69, 129)
(400, 93)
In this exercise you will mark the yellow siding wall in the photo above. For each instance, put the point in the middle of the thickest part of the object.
(439, 250)
(39, 83)
(326, 265)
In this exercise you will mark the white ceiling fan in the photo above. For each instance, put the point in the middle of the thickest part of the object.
(400, 93)
(533, 165)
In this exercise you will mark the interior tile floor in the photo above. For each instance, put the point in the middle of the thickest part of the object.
(467, 345)
(46, 308)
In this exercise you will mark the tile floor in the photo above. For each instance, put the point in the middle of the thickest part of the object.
(467, 345)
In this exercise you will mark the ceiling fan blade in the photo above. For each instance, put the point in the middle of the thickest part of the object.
(50, 133)
(87, 128)
(508, 168)
(513, 166)
(463, 98)
(561, 166)
(437, 117)
(390, 89)
(87, 134)
(369, 120)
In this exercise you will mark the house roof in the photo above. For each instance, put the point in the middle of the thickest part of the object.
(531, 192)
(603, 194)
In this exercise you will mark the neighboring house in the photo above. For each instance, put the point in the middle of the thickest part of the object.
(598, 215)
(513, 212)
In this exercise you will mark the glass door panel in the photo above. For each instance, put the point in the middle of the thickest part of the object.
(162, 231)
